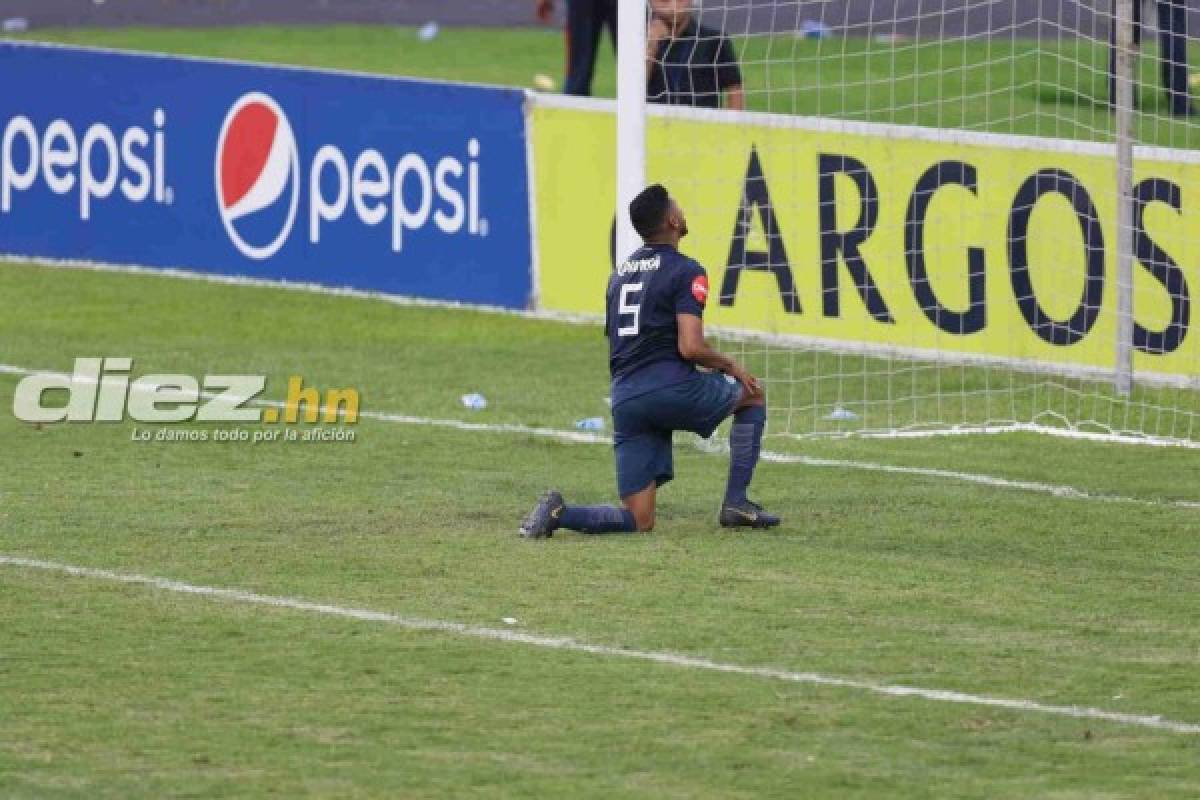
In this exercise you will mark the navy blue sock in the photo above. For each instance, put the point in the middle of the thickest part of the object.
(745, 441)
(597, 519)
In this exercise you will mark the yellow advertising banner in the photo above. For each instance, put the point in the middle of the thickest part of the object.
(888, 238)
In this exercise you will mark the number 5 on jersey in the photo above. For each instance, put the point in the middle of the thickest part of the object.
(630, 305)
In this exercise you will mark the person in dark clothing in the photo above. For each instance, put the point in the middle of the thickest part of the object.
(586, 20)
(1172, 44)
(687, 63)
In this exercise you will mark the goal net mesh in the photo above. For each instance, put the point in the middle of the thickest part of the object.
(913, 226)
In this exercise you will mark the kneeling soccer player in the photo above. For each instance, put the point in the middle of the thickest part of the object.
(655, 302)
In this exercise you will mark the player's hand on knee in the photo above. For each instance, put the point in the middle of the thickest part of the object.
(752, 384)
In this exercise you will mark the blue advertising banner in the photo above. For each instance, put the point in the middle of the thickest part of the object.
(390, 185)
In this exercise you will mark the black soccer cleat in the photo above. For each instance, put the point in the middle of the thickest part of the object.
(746, 515)
(543, 519)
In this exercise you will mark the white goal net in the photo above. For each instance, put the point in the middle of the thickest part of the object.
(938, 215)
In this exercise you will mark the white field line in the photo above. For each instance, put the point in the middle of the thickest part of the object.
(586, 437)
(582, 437)
(836, 346)
(998, 428)
(981, 480)
(1153, 721)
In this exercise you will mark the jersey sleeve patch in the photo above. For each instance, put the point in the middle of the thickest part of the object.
(700, 289)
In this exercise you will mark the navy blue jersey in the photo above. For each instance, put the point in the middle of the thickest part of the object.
(645, 293)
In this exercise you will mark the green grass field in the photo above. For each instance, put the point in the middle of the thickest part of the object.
(119, 691)
(900, 577)
(1052, 88)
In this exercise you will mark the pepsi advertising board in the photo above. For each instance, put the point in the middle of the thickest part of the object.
(390, 185)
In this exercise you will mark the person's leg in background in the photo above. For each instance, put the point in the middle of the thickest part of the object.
(583, 36)
(1172, 38)
(608, 17)
(1112, 52)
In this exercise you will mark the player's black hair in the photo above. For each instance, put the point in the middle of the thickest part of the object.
(648, 211)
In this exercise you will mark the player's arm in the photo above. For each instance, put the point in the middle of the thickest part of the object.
(695, 349)
(735, 98)
(656, 32)
(729, 76)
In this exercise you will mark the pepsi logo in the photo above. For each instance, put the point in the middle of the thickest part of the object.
(257, 176)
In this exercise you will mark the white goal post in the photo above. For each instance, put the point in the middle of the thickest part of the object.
(981, 217)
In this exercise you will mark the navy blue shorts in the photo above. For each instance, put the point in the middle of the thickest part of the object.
(643, 426)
